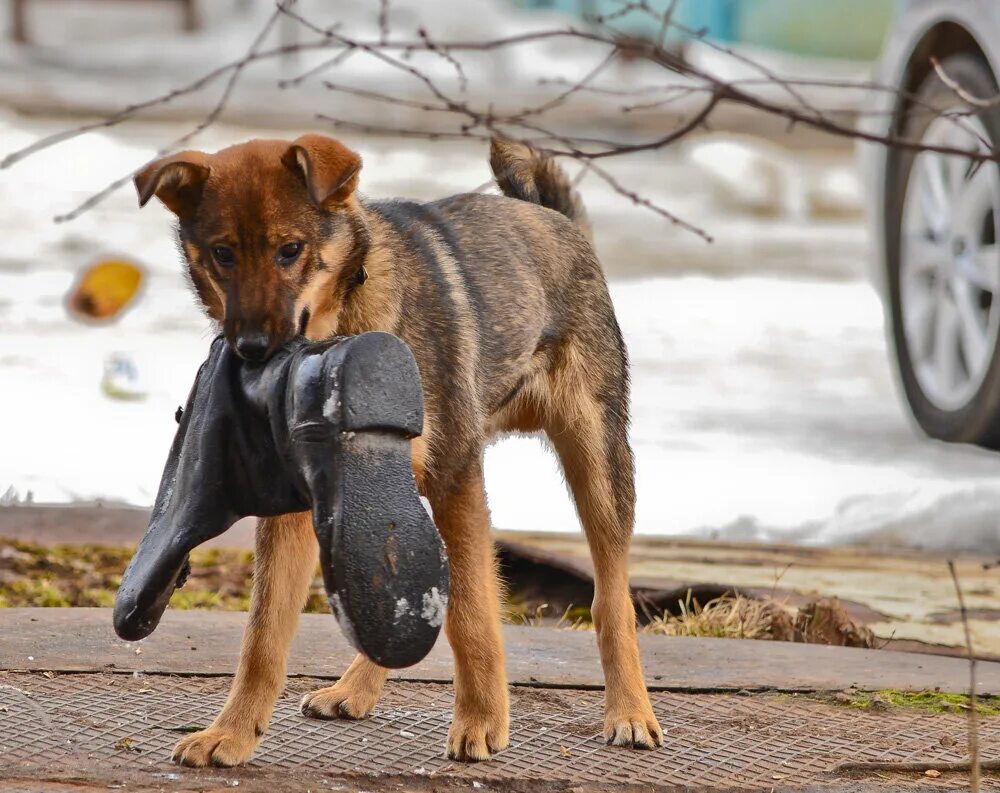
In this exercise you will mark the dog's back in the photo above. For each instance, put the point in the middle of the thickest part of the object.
(497, 293)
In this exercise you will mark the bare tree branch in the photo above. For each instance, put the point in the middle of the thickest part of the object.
(461, 117)
(200, 127)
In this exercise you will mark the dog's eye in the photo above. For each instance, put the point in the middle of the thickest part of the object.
(223, 256)
(289, 252)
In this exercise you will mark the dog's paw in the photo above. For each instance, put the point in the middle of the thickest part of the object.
(340, 701)
(637, 730)
(471, 740)
(215, 746)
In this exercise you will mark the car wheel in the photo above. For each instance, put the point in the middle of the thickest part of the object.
(942, 216)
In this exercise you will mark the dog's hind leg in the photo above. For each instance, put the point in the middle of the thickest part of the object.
(354, 696)
(284, 566)
(587, 423)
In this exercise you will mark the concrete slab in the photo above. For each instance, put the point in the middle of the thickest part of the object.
(207, 643)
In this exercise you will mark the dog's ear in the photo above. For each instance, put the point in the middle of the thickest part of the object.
(329, 168)
(177, 180)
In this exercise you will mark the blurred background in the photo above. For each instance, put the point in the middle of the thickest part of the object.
(764, 397)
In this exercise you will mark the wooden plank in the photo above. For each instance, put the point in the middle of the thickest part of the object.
(207, 643)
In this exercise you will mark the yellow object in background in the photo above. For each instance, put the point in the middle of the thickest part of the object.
(104, 289)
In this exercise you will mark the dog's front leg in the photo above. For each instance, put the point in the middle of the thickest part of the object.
(480, 724)
(285, 563)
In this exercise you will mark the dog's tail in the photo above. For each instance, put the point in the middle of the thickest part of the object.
(524, 173)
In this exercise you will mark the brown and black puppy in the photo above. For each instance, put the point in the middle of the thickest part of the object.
(507, 311)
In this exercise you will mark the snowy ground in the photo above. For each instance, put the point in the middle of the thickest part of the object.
(763, 400)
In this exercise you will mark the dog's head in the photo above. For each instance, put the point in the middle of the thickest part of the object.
(271, 231)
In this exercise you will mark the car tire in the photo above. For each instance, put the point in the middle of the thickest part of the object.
(949, 375)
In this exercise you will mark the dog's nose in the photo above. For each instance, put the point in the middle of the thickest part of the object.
(253, 346)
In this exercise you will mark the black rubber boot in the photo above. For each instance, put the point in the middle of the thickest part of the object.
(322, 426)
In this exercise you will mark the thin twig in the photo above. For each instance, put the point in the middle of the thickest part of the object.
(383, 20)
(200, 127)
(666, 22)
(964, 94)
(326, 65)
(973, 730)
(463, 118)
(974, 766)
(463, 81)
(854, 767)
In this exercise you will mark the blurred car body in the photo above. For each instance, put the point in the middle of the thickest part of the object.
(934, 218)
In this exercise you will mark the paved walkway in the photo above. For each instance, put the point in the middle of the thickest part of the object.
(80, 708)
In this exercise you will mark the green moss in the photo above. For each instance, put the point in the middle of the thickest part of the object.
(926, 701)
(103, 598)
(186, 600)
(35, 593)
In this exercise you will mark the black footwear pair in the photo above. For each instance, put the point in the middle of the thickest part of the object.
(323, 426)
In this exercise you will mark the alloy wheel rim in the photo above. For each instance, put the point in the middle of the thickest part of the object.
(950, 265)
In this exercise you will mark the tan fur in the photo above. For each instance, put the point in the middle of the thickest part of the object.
(354, 696)
(175, 180)
(505, 307)
(330, 168)
(522, 172)
(465, 321)
(380, 305)
(473, 622)
(284, 565)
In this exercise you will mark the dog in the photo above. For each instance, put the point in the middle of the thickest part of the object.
(506, 308)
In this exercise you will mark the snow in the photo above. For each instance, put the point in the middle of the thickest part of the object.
(763, 409)
(763, 400)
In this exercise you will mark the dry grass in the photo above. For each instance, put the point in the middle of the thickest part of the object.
(574, 618)
(728, 617)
